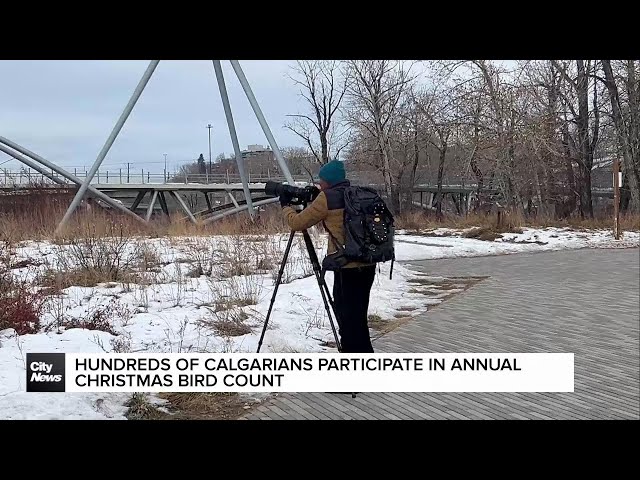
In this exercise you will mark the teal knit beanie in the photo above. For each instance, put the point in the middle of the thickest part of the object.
(333, 172)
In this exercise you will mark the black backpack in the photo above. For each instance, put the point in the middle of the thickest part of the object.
(368, 230)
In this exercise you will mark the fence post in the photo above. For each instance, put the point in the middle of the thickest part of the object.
(107, 181)
(121, 176)
(148, 181)
(616, 199)
(142, 175)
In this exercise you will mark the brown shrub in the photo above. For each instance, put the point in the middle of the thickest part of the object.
(20, 305)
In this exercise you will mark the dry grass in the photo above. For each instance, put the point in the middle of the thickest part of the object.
(509, 222)
(57, 279)
(139, 408)
(148, 259)
(490, 233)
(206, 405)
(94, 258)
(239, 290)
(422, 221)
(32, 215)
(227, 322)
(35, 215)
(628, 221)
(101, 317)
(188, 406)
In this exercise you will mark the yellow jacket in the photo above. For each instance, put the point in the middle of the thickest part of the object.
(328, 207)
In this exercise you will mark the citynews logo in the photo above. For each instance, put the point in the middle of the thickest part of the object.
(45, 372)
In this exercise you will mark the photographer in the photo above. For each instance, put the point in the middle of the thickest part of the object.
(352, 283)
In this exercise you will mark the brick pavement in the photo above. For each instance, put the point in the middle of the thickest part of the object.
(580, 301)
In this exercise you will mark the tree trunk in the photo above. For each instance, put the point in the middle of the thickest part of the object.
(570, 206)
(443, 153)
(324, 148)
(623, 138)
(514, 189)
(586, 155)
(414, 167)
(472, 162)
(633, 95)
(539, 189)
(388, 180)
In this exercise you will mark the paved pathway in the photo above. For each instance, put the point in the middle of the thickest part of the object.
(580, 301)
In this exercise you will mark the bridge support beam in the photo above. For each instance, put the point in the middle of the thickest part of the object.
(97, 193)
(239, 209)
(152, 202)
(137, 200)
(163, 205)
(107, 146)
(232, 131)
(183, 205)
(263, 123)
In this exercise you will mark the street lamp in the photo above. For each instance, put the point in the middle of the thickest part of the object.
(165, 168)
(209, 127)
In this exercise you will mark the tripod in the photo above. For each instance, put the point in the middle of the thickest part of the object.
(324, 289)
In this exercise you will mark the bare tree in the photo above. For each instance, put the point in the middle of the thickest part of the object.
(537, 134)
(438, 107)
(375, 93)
(585, 141)
(627, 130)
(323, 84)
(300, 160)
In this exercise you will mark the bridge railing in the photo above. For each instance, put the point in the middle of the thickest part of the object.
(28, 177)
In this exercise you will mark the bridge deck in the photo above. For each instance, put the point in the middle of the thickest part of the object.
(203, 187)
(253, 187)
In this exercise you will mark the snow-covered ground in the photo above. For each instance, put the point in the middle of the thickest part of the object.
(446, 243)
(173, 307)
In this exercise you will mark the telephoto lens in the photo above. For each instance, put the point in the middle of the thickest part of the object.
(296, 195)
(273, 189)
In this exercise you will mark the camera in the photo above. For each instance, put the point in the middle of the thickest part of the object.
(294, 195)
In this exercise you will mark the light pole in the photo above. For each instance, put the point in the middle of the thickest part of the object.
(209, 127)
(165, 168)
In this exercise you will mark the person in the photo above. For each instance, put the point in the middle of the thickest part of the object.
(352, 283)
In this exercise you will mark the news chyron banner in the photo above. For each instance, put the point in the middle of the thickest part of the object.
(300, 372)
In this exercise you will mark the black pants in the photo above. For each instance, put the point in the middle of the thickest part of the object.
(351, 288)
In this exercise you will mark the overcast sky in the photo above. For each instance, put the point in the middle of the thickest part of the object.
(65, 110)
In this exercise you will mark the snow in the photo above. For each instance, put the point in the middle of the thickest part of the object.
(172, 311)
(419, 247)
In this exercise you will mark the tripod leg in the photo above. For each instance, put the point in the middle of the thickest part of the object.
(275, 290)
(324, 289)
